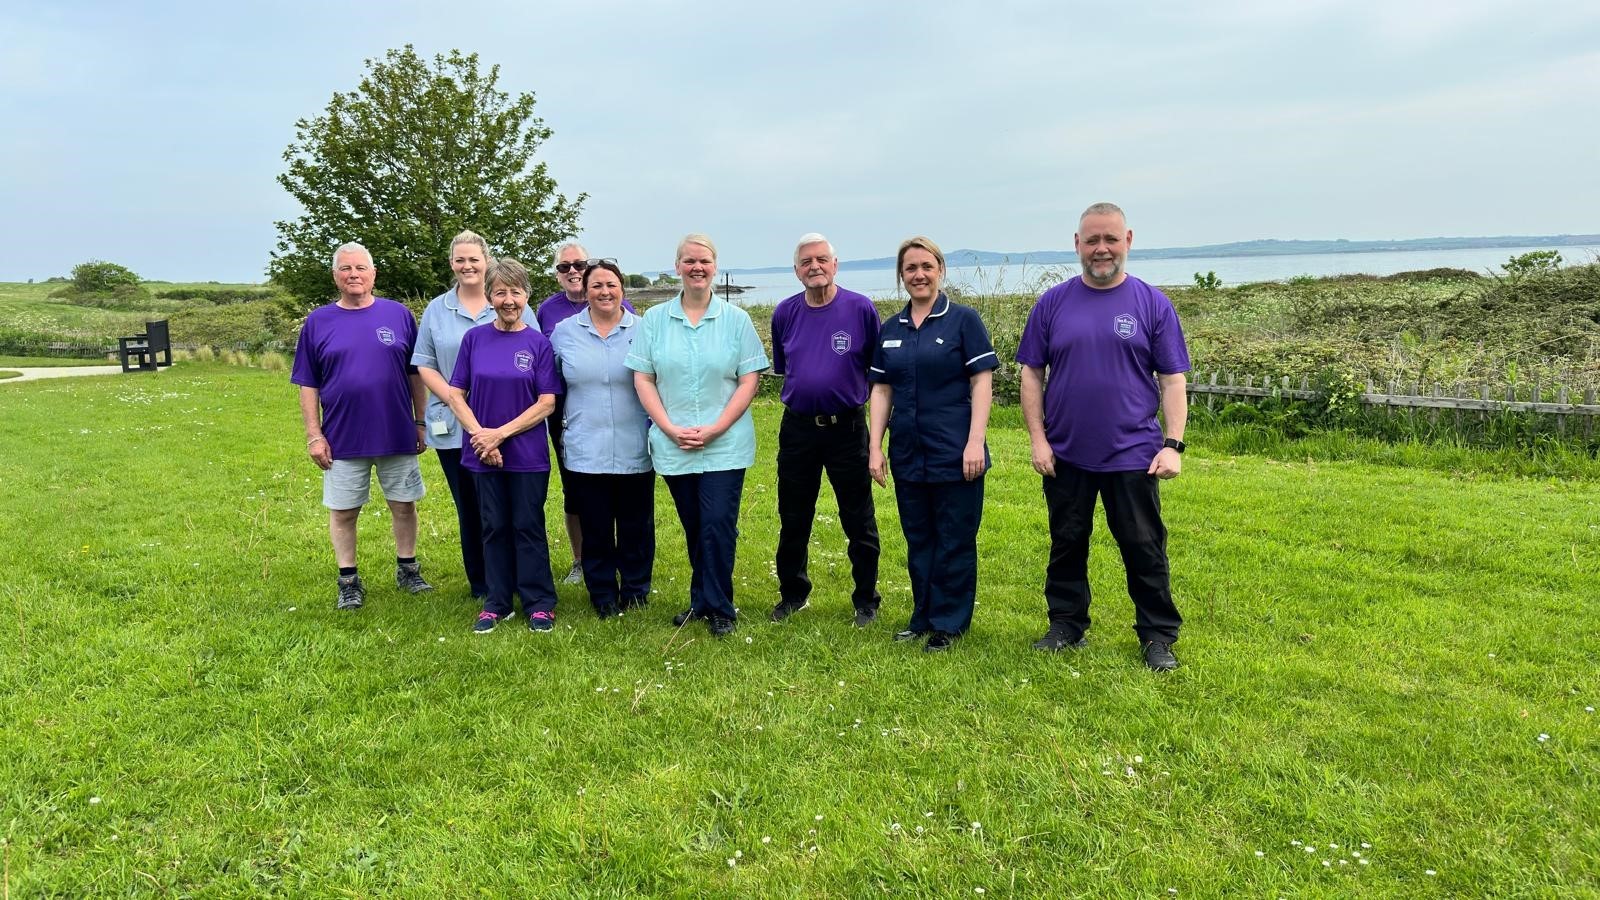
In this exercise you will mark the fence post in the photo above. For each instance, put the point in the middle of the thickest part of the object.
(1588, 421)
(1211, 397)
(1561, 418)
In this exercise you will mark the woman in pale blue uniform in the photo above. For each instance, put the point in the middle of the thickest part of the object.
(605, 444)
(446, 319)
(697, 362)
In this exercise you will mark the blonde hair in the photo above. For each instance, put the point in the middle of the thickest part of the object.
(470, 237)
(697, 238)
(917, 243)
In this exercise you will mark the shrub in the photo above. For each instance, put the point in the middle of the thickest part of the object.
(100, 277)
(205, 353)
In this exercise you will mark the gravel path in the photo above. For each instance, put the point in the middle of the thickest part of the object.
(35, 373)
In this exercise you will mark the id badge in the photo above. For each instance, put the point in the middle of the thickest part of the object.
(439, 427)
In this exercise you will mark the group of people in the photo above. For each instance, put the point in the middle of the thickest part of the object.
(493, 385)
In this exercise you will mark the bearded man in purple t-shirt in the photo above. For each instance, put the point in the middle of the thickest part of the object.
(1101, 354)
(362, 402)
(822, 342)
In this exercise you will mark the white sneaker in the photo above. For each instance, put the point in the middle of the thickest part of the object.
(574, 575)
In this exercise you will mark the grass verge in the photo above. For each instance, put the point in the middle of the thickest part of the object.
(1386, 691)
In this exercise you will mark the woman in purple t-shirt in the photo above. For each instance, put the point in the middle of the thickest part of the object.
(502, 390)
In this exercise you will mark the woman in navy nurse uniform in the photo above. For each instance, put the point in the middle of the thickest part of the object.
(932, 375)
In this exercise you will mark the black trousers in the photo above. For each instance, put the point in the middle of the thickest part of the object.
(516, 552)
(941, 521)
(618, 517)
(805, 450)
(1133, 511)
(556, 425)
(708, 506)
(464, 491)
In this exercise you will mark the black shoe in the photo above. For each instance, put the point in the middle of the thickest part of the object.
(409, 577)
(939, 642)
(637, 601)
(721, 626)
(1060, 637)
(607, 611)
(1158, 656)
(908, 634)
(687, 615)
(787, 608)
(352, 593)
(865, 617)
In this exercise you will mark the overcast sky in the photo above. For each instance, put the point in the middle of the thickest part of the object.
(151, 134)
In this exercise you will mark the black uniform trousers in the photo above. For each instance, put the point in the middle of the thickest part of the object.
(1133, 511)
(808, 445)
(618, 517)
(464, 491)
(516, 552)
(941, 520)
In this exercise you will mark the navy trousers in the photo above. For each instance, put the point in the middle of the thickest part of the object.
(805, 450)
(516, 551)
(618, 517)
(1133, 511)
(464, 492)
(708, 506)
(941, 520)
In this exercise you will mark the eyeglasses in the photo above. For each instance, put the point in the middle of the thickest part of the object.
(595, 263)
(566, 267)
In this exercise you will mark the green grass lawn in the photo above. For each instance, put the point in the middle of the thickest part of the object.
(1392, 662)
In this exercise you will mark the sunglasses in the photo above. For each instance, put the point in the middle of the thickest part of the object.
(595, 263)
(566, 267)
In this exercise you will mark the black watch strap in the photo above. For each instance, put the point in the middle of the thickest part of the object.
(1175, 444)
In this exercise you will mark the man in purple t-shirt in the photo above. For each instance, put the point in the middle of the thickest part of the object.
(822, 342)
(1101, 354)
(362, 402)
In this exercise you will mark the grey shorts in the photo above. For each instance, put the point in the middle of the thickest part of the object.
(348, 484)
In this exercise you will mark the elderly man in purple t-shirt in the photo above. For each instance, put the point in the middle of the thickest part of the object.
(1101, 354)
(822, 342)
(362, 402)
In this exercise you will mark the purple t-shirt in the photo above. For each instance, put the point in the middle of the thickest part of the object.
(1101, 350)
(359, 360)
(558, 307)
(823, 352)
(503, 373)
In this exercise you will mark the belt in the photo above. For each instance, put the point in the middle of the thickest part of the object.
(827, 421)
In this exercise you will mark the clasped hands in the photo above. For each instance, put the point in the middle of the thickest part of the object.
(486, 443)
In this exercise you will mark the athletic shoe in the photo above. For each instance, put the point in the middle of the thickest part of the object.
(787, 608)
(687, 615)
(939, 642)
(352, 593)
(1159, 657)
(1060, 637)
(637, 601)
(409, 577)
(908, 634)
(541, 621)
(865, 617)
(574, 574)
(721, 626)
(607, 611)
(486, 622)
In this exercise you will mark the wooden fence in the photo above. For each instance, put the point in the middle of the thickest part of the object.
(1484, 399)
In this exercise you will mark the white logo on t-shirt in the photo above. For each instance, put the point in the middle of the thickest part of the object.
(386, 335)
(523, 360)
(841, 342)
(1127, 326)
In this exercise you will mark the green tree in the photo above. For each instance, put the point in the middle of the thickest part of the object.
(100, 277)
(1536, 262)
(637, 280)
(412, 156)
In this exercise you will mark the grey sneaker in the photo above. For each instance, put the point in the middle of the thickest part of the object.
(787, 608)
(352, 593)
(865, 617)
(409, 577)
(574, 574)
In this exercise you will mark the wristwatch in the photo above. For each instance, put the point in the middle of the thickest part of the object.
(1175, 444)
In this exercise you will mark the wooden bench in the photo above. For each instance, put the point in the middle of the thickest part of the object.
(146, 352)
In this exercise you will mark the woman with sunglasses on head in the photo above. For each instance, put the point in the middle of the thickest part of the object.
(448, 317)
(572, 260)
(932, 375)
(607, 456)
(503, 388)
(697, 361)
